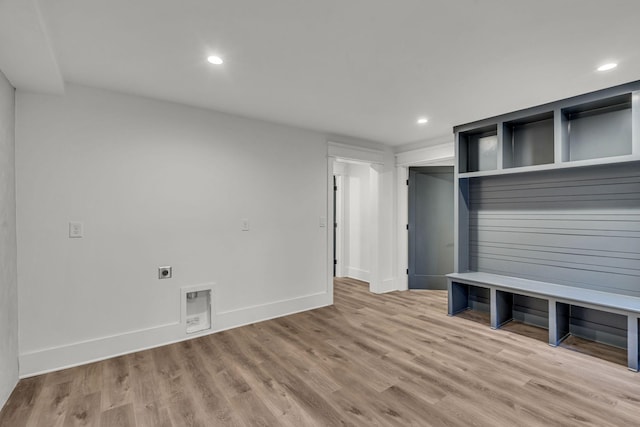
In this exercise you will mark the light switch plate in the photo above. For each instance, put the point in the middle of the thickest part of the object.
(245, 224)
(76, 230)
(323, 221)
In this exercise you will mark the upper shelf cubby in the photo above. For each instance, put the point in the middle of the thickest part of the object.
(598, 129)
(480, 149)
(594, 128)
(528, 141)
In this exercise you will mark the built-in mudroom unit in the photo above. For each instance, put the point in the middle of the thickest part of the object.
(547, 220)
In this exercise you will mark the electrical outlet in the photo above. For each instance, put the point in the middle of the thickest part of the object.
(164, 272)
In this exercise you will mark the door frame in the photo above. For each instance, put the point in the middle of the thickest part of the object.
(339, 225)
(375, 160)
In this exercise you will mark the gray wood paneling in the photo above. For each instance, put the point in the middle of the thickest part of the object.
(575, 227)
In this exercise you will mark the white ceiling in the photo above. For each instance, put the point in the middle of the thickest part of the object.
(360, 68)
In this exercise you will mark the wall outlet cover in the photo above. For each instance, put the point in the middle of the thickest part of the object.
(165, 272)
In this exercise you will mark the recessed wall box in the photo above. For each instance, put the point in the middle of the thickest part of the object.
(196, 308)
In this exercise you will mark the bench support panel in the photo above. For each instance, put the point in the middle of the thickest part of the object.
(559, 321)
(632, 342)
(458, 297)
(501, 308)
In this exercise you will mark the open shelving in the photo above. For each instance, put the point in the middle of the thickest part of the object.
(480, 148)
(528, 141)
(596, 128)
(547, 209)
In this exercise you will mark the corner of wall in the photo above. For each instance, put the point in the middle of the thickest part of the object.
(8, 245)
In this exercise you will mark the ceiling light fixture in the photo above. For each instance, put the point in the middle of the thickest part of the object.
(422, 121)
(607, 67)
(215, 60)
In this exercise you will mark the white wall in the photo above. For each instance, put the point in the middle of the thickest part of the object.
(158, 184)
(8, 275)
(357, 215)
(386, 208)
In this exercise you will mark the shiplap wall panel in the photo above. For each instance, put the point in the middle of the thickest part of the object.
(578, 227)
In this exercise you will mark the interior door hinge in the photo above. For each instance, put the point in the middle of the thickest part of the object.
(407, 182)
(407, 271)
(407, 226)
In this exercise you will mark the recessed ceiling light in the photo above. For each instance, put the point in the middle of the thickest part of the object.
(216, 60)
(422, 120)
(607, 67)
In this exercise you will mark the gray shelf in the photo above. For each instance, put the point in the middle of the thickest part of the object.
(595, 128)
(630, 158)
(480, 148)
(598, 129)
(528, 141)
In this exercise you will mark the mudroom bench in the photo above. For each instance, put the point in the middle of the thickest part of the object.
(498, 294)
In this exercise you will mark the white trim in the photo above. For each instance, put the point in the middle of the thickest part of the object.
(329, 230)
(388, 285)
(83, 352)
(340, 252)
(354, 153)
(356, 273)
(402, 210)
(433, 155)
(373, 228)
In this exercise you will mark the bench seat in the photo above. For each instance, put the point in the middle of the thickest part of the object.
(559, 297)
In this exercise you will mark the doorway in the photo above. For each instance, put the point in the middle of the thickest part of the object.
(339, 153)
(431, 225)
(352, 220)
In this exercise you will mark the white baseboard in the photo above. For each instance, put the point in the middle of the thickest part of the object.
(7, 388)
(356, 273)
(388, 285)
(403, 283)
(79, 353)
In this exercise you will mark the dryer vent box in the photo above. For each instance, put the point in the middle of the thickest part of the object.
(197, 310)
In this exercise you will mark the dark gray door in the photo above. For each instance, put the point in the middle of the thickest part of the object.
(430, 226)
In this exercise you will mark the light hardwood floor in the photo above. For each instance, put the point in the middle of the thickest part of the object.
(394, 359)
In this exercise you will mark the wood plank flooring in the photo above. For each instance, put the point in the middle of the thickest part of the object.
(389, 360)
